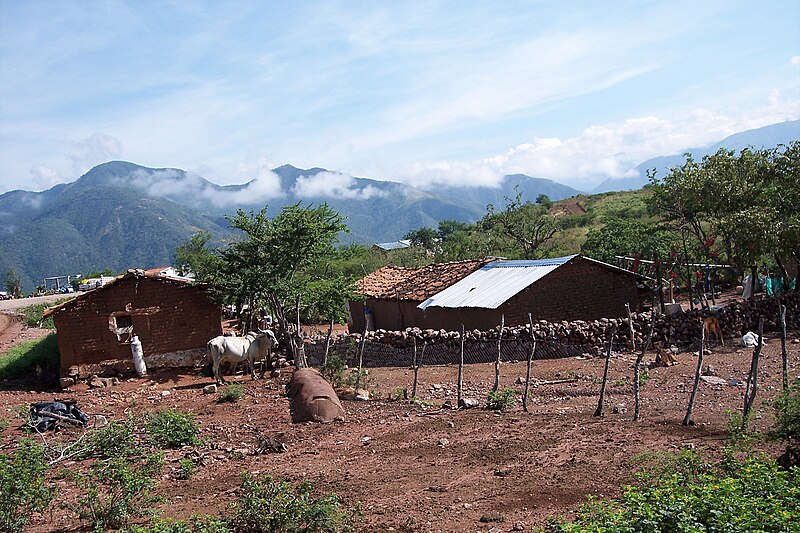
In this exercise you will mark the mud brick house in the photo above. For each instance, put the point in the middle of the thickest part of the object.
(564, 288)
(392, 294)
(168, 315)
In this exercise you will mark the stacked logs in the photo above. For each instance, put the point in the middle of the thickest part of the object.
(681, 329)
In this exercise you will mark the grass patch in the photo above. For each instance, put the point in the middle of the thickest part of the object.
(21, 360)
(32, 314)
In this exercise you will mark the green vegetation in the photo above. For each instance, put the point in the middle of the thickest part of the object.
(32, 314)
(196, 524)
(186, 468)
(751, 495)
(501, 399)
(22, 486)
(13, 283)
(232, 392)
(273, 506)
(21, 360)
(333, 370)
(118, 488)
(172, 429)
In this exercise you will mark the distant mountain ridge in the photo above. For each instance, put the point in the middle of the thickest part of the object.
(765, 137)
(122, 215)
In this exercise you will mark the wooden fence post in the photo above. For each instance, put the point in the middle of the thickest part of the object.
(784, 353)
(461, 369)
(360, 349)
(688, 417)
(327, 344)
(630, 327)
(497, 362)
(417, 365)
(752, 378)
(599, 410)
(639, 362)
(530, 361)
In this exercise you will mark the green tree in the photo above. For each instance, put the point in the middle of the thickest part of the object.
(13, 283)
(424, 237)
(628, 237)
(193, 256)
(284, 262)
(736, 208)
(528, 226)
(544, 201)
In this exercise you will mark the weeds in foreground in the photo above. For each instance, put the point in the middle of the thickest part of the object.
(22, 486)
(172, 429)
(186, 468)
(271, 505)
(232, 392)
(501, 399)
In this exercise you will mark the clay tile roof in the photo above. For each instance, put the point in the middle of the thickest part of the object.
(418, 284)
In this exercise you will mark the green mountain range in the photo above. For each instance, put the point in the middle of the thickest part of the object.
(121, 215)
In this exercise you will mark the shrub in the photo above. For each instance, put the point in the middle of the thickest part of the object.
(753, 495)
(362, 381)
(117, 439)
(333, 370)
(232, 392)
(32, 314)
(117, 488)
(269, 505)
(172, 429)
(22, 488)
(195, 524)
(22, 359)
(787, 417)
(186, 468)
(501, 399)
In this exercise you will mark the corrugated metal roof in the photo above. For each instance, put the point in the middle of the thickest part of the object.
(394, 245)
(494, 283)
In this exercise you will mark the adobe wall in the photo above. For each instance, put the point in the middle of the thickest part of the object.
(167, 317)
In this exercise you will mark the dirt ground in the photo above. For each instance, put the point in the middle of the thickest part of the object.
(424, 468)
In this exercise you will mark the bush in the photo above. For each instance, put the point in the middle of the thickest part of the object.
(269, 505)
(196, 524)
(117, 439)
(22, 359)
(232, 392)
(186, 468)
(117, 488)
(753, 495)
(172, 429)
(333, 370)
(787, 417)
(501, 399)
(22, 488)
(32, 314)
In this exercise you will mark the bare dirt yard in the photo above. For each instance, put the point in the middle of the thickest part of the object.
(424, 468)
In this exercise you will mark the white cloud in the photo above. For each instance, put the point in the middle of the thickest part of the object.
(95, 149)
(44, 177)
(334, 185)
(795, 60)
(602, 151)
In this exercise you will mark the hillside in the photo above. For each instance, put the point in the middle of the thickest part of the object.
(121, 215)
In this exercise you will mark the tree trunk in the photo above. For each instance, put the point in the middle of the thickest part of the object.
(461, 369)
(660, 283)
(497, 362)
(638, 363)
(752, 378)
(328, 343)
(630, 327)
(530, 361)
(687, 419)
(784, 353)
(599, 410)
(784, 273)
(752, 283)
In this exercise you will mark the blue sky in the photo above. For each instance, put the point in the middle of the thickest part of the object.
(422, 92)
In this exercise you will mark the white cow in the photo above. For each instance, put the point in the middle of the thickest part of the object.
(237, 349)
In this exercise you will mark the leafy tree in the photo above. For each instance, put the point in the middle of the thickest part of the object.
(736, 208)
(425, 237)
(13, 283)
(284, 262)
(544, 201)
(528, 226)
(192, 256)
(625, 237)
